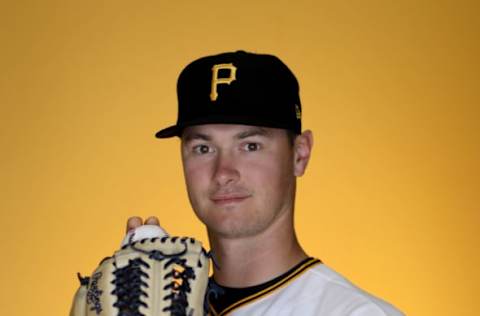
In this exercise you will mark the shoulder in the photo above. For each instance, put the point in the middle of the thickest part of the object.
(326, 289)
(320, 290)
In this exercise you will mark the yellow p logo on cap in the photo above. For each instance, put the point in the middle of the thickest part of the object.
(216, 81)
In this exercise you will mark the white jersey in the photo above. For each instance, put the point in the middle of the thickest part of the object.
(312, 289)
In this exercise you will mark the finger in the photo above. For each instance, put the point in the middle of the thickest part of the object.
(133, 222)
(152, 220)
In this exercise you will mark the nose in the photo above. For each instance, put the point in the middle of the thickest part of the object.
(226, 171)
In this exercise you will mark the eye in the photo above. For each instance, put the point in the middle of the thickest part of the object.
(251, 146)
(202, 149)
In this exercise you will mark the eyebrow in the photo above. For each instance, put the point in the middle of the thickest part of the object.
(256, 131)
(250, 132)
(196, 135)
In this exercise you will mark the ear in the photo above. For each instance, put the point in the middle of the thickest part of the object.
(302, 150)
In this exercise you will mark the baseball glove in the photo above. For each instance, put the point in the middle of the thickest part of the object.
(149, 277)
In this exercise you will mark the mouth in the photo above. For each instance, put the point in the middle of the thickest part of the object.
(228, 199)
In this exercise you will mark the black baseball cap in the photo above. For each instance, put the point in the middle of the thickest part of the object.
(237, 88)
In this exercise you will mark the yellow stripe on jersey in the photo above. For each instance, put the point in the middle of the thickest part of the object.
(292, 276)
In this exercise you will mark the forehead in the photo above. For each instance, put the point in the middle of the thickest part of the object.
(211, 131)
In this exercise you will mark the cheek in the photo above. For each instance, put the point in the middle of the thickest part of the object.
(271, 177)
(196, 177)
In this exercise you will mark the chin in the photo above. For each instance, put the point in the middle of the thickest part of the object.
(232, 220)
(232, 228)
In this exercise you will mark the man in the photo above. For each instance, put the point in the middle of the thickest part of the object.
(242, 148)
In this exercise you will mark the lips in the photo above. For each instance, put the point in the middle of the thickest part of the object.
(228, 198)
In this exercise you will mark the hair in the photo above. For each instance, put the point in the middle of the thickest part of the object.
(291, 135)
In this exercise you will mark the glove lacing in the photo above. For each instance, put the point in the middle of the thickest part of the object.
(128, 288)
(129, 283)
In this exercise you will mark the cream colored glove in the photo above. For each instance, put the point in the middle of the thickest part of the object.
(149, 277)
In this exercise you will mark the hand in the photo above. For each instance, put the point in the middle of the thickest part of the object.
(136, 221)
(136, 231)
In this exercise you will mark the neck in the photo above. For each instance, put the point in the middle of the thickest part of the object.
(252, 260)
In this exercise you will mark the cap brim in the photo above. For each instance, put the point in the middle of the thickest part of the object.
(171, 131)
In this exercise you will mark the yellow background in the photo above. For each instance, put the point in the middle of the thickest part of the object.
(389, 88)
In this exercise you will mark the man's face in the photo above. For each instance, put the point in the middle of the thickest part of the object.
(239, 178)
